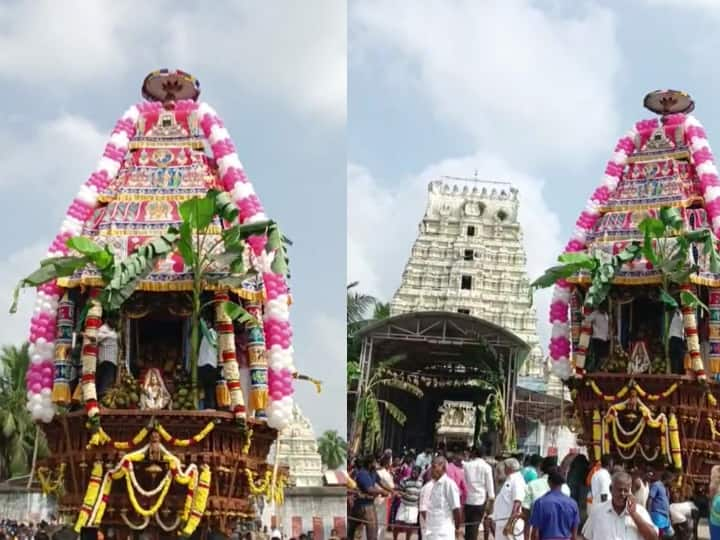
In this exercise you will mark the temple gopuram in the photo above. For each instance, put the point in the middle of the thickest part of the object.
(160, 344)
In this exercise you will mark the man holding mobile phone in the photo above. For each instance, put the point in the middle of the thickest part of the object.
(620, 518)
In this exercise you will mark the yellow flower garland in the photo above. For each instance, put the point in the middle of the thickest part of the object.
(659, 422)
(248, 442)
(635, 386)
(139, 510)
(596, 435)
(675, 442)
(91, 496)
(101, 438)
(200, 501)
(264, 484)
(713, 428)
(185, 442)
(96, 496)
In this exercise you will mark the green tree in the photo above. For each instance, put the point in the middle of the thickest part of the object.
(368, 422)
(332, 449)
(18, 432)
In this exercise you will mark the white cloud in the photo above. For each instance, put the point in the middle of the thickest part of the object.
(56, 156)
(382, 222)
(291, 51)
(14, 328)
(320, 353)
(518, 80)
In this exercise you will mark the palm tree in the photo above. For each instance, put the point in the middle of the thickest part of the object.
(333, 449)
(18, 449)
(357, 304)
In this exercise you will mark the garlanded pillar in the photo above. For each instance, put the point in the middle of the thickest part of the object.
(714, 330)
(596, 435)
(691, 334)
(63, 346)
(226, 351)
(89, 354)
(257, 362)
(582, 348)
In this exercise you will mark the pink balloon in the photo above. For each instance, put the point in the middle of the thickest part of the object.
(36, 388)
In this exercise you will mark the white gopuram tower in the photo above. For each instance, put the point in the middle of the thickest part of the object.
(298, 450)
(469, 258)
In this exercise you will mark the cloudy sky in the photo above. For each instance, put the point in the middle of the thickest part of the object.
(276, 74)
(532, 92)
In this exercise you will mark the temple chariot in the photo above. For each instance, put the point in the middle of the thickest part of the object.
(635, 311)
(161, 350)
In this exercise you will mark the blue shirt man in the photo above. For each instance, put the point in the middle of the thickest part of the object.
(659, 505)
(554, 516)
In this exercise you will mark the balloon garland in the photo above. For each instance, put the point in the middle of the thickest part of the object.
(42, 325)
(626, 146)
(278, 333)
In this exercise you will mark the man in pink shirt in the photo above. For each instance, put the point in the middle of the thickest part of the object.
(456, 474)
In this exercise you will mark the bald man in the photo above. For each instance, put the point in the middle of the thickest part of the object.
(443, 519)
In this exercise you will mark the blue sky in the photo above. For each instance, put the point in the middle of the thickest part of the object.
(532, 92)
(276, 74)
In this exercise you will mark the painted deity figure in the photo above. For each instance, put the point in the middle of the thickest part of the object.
(639, 356)
(155, 394)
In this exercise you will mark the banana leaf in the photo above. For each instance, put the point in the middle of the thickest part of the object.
(671, 217)
(668, 300)
(50, 269)
(237, 313)
(690, 299)
(198, 212)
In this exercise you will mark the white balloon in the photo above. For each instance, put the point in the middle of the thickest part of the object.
(46, 393)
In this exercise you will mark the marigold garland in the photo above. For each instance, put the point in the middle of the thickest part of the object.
(611, 425)
(199, 503)
(635, 386)
(185, 442)
(139, 510)
(248, 442)
(91, 496)
(713, 428)
(262, 488)
(96, 496)
(101, 438)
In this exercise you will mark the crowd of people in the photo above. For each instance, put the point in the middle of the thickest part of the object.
(445, 495)
(19, 530)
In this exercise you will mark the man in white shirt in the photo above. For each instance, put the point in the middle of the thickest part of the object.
(601, 481)
(677, 343)
(423, 505)
(442, 509)
(507, 510)
(207, 364)
(480, 491)
(599, 342)
(424, 459)
(619, 518)
(107, 340)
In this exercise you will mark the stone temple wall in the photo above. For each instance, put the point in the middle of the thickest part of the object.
(312, 509)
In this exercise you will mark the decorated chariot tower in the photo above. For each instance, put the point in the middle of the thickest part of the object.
(161, 348)
(636, 306)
